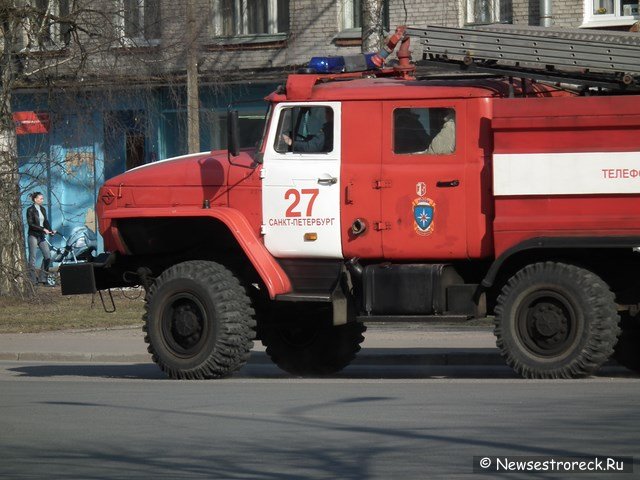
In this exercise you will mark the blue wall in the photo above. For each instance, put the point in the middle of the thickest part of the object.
(96, 135)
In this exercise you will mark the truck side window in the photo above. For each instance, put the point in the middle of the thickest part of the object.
(430, 131)
(305, 130)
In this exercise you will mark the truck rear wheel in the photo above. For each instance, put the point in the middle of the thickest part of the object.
(555, 320)
(313, 349)
(199, 321)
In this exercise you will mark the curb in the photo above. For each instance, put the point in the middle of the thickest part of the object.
(74, 357)
(410, 357)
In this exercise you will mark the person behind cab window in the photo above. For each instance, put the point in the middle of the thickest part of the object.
(444, 142)
(321, 142)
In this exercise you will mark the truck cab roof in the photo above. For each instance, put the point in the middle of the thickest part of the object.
(308, 87)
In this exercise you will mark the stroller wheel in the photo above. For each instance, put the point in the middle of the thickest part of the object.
(51, 279)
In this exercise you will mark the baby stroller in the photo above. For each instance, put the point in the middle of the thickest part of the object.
(79, 247)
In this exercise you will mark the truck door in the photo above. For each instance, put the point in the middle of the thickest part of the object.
(422, 182)
(301, 181)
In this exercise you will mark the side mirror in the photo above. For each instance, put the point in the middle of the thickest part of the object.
(233, 133)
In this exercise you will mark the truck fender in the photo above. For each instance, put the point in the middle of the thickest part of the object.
(542, 243)
(270, 271)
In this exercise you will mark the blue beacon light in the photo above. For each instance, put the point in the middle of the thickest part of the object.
(327, 64)
(338, 64)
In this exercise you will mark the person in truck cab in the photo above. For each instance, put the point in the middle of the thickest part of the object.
(444, 142)
(321, 142)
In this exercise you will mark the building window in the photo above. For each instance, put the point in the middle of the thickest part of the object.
(611, 12)
(49, 28)
(250, 17)
(351, 14)
(139, 20)
(430, 131)
(480, 12)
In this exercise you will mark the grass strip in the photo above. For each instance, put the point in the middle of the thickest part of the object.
(52, 311)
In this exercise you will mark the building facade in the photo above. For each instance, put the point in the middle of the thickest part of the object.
(122, 103)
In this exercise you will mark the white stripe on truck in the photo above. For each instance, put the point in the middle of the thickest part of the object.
(566, 173)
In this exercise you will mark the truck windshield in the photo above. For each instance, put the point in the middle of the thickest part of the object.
(265, 129)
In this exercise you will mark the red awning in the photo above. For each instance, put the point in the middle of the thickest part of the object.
(31, 122)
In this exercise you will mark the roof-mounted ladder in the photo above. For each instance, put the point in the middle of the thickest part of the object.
(598, 59)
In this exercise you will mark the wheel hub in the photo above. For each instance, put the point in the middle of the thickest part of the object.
(548, 320)
(183, 324)
(546, 323)
(186, 321)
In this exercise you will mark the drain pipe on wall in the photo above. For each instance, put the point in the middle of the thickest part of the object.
(546, 13)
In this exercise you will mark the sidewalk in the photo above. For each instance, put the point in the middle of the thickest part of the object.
(401, 344)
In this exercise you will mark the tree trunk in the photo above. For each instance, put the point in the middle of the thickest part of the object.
(13, 273)
(372, 25)
(13, 268)
(193, 95)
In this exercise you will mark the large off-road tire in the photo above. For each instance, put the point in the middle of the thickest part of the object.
(313, 349)
(198, 321)
(555, 320)
(627, 350)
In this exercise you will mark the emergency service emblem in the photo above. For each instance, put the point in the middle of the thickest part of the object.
(423, 211)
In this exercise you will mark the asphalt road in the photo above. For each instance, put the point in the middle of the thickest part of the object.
(98, 421)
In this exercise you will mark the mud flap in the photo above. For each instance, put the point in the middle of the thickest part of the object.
(343, 304)
(87, 277)
(340, 306)
(77, 278)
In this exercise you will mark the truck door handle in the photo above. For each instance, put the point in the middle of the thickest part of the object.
(328, 181)
(451, 183)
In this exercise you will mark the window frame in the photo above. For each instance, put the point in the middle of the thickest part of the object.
(218, 127)
(279, 127)
(347, 15)
(241, 20)
(270, 152)
(54, 32)
(346, 18)
(425, 152)
(141, 39)
(607, 19)
(469, 12)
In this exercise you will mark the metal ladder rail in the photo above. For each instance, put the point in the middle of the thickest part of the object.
(602, 80)
(560, 53)
(545, 49)
(518, 47)
(575, 34)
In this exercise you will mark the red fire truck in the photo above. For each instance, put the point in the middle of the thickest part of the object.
(510, 190)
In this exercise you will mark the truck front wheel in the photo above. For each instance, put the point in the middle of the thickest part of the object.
(555, 320)
(313, 349)
(198, 321)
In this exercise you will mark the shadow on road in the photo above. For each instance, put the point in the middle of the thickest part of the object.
(312, 438)
(123, 371)
(262, 371)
